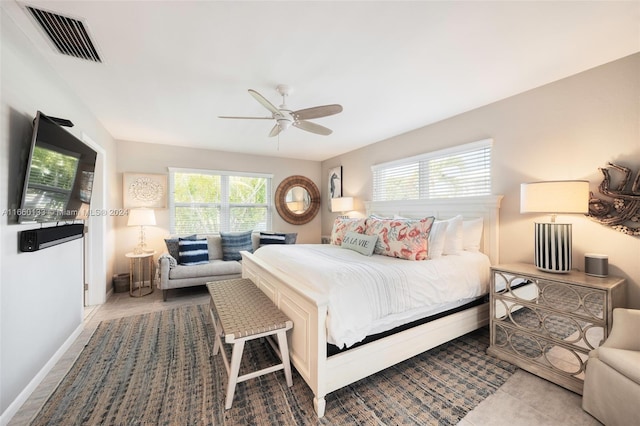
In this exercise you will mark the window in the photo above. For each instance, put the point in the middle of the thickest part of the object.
(204, 201)
(461, 171)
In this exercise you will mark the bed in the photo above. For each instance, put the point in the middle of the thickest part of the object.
(308, 307)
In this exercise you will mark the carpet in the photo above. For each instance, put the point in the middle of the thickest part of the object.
(158, 369)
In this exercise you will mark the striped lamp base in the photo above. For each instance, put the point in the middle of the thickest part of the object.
(553, 247)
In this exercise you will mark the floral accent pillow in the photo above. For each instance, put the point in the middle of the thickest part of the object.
(343, 225)
(402, 238)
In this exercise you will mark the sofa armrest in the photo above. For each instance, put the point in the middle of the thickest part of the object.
(624, 332)
(164, 266)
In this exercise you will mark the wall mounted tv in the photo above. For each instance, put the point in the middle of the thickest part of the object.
(59, 175)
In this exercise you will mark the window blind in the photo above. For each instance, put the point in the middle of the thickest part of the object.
(460, 171)
(209, 201)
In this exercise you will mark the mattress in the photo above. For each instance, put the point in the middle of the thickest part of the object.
(372, 294)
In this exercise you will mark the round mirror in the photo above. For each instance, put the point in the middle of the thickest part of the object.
(297, 200)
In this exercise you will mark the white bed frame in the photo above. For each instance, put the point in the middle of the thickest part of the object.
(308, 309)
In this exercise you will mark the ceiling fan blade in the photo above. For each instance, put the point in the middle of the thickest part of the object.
(317, 112)
(313, 128)
(246, 118)
(274, 131)
(264, 102)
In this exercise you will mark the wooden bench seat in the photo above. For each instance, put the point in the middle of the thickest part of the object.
(240, 312)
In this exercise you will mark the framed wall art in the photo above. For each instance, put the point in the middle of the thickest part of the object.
(144, 190)
(334, 184)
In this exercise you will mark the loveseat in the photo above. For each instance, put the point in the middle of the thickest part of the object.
(220, 262)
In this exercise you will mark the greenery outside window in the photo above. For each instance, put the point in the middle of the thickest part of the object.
(209, 201)
(460, 171)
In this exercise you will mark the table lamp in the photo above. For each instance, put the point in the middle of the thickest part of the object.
(342, 204)
(552, 239)
(141, 218)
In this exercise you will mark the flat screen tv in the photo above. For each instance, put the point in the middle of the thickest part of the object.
(59, 175)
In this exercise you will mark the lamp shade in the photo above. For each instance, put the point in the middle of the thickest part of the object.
(566, 196)
(141, 217)
(342, 204)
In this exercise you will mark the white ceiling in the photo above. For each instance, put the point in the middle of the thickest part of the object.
(171, 67)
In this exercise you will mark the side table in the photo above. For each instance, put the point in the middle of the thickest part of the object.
(141, 272)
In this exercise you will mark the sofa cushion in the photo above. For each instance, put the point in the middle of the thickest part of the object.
(172, 245)
(214, 242)
(277, 238)
(209, 269)
(234, 242)
(193, 252)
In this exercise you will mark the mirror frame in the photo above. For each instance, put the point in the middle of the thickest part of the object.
(280, 200)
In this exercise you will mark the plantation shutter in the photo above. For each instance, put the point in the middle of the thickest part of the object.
(461, 171)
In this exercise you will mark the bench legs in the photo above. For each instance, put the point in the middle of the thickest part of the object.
(233, 368)
(284, 356)
(236, 358)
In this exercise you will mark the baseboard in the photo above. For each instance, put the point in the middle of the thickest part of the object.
(14, 407)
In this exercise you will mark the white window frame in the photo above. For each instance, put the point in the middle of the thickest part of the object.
(422, 162)
(224, 205)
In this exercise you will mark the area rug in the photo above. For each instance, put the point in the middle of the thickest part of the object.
(158, 369)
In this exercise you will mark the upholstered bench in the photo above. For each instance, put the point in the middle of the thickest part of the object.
(240, 312)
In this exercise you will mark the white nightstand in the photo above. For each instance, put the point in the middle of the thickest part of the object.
(141, 273)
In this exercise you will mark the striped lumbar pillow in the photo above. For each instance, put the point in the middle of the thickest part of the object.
(233, 243)
(193, 252)
(272, 238)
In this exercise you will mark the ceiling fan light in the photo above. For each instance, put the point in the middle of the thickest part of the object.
(284, 124)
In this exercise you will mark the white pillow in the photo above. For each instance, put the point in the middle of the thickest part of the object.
(453, 241)
(363, 244)
(472, 234)
(437, 237)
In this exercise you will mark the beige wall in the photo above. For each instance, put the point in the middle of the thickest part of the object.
(41, 293)
(563, 130)
(155, 158)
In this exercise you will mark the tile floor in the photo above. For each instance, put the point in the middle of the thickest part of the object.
(524, 399)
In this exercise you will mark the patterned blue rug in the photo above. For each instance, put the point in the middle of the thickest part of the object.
(158, 369)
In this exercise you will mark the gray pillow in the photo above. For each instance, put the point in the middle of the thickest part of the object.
(363, 244)
(235, 242)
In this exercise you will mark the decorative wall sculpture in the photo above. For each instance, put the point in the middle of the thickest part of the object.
(623, 213)
(144, 190)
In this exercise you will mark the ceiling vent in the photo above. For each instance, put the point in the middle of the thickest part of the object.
(68, 35)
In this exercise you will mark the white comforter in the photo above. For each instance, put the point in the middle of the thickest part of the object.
(364, 291)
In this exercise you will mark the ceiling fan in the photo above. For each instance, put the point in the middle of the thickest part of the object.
(286, 118)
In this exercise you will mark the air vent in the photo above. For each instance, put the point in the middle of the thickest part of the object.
(68, 35)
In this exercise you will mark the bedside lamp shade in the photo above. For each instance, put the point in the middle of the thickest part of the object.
(141, 218)
(553, 240)
(341, 204)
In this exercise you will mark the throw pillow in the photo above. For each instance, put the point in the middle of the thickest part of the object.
(272, 238)
(453, 241)
(267, 238)
(363, 244)
(437, 237)
(343, 225)
(402, 238)
(235, 242)
(193, 252)
(172, 245)
(472, 234)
